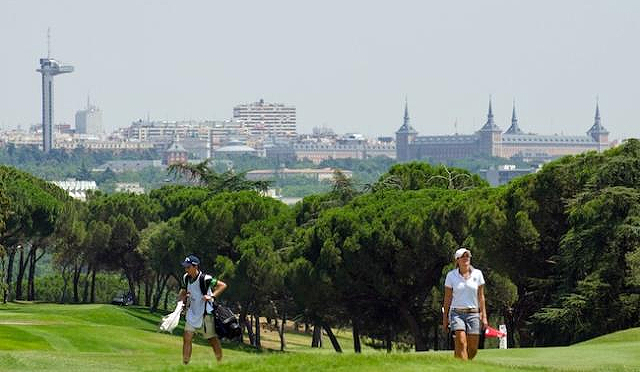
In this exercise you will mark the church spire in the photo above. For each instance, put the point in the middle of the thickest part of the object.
(597, 127)
(490, 114)
(406, 125)
(514, 128)
(406, 112)
(490, 124)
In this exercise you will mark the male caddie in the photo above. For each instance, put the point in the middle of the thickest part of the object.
(199, 291)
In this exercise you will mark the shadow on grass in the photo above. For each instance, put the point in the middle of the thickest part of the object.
(143, 314)
(150, 318)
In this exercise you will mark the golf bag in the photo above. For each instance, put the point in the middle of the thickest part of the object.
(227, 324)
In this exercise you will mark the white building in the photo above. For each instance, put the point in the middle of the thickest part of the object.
(504, 173)
(315, 174)
(89, 120)
(199, 138)
(119, 166)
(267, 119)
(319, 151)
(133, 187)
(235, 148)
(76, 189)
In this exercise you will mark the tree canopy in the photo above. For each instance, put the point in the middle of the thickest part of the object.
(560, 248)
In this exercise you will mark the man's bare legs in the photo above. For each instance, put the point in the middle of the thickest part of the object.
(217, 348)
(187, 338)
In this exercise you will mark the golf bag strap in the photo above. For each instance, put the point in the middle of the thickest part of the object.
(204, 289)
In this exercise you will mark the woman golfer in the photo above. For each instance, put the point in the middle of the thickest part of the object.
(464, 308)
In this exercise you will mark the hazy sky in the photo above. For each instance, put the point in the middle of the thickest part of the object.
(343, 64)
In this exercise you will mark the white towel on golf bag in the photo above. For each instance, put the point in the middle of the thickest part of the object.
(170, 322)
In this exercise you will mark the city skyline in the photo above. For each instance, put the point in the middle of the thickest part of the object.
(353, 76)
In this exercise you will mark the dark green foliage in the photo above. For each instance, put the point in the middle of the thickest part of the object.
(382, 254)
(419, 175)
(176, 199)
(568, 232)
(202, 174)
(605, 228)
(49, 287)
(59, 163)
(560, 249)
(475, 164)
(301, 186)
(365, 171)
(211, 227)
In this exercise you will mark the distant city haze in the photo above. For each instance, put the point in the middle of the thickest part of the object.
(347, 65)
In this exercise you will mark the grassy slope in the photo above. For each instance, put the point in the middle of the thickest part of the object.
(103, 337)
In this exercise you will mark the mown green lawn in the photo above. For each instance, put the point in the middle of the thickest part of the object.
(49, 337)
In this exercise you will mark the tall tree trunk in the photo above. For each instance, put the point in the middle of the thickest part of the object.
(85, 291)
(166, 299)
(32, 272)
(31, 288)
(132, 287)
(161, 286)
(149, 297)
(332, 337)
(77, 270)
(93, 285)
(21, 267)
(258, 343)
(387, 341)
(7, 293)
(3, 273)
(316, 338)
(65, 281)
(511, 327)
(356, 337)
(148, 288)
(244, 324)
(136, 301)
(249, 327)
(281, 329)
(436, 343)
(416, 330)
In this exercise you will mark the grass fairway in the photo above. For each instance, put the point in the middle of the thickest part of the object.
(48, 337)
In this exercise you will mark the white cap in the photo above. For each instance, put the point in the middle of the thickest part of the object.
(460, 252)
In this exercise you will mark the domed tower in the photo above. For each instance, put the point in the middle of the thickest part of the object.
(490, 136)
(598, 132)
(404, 137)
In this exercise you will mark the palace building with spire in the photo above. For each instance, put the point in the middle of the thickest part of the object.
(490, 140)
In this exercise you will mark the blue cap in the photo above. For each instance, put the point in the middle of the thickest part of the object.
(190, 260)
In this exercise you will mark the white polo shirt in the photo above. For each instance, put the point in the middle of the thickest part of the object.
(465, 292)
